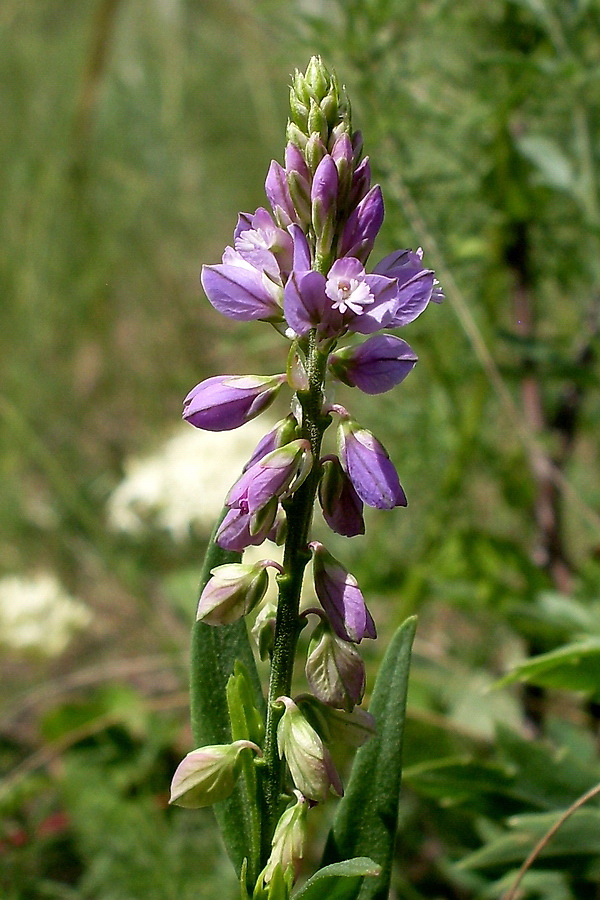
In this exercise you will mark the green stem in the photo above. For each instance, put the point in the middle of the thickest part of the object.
(287, 627)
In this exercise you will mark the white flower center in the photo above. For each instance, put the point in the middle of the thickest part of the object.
(252, 240)
(349, 293)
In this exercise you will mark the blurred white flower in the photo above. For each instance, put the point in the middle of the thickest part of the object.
(36, 613)
(185, 482)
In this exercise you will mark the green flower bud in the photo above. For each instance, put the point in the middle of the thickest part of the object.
(208, 774)
(232, 592)
(287, 848)
(334, 669)
(263, 630)
(314, 152)
(309, 760)
(296, 135)
(317, 122)
(317, 78)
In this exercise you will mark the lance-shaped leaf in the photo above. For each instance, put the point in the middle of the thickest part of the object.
(339, 881)
(214, 653)
(367, 816)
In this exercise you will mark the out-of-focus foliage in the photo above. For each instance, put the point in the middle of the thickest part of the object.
(132, 133)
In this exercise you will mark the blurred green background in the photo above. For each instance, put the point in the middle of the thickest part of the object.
(132, 133)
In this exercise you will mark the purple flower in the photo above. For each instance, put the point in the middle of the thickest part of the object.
(239, 529)
(368, 466)
(341, 505)
(363, 226)
(416, 285)
(265, 246)
(341, 597)
(348, 299)
(240, 291)
(224, 402)
(275, 475)
(375, 366)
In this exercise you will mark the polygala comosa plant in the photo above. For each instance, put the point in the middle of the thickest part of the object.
(301, 264)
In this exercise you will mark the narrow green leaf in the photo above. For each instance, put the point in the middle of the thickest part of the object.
(578, 836)
(339, 881)
(214, 652)
(574, 667)
(367, 816)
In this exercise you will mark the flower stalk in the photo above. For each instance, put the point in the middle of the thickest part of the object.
(299, 511)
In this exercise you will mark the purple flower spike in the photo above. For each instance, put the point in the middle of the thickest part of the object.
(368, 466)
(341, 505)
(240, 291)
(341, 597)
(416, 285)
(224, 402)
(272, 476)
(363, 226)
(376, 366)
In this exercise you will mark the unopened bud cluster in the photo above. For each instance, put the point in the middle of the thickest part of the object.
(300, 265)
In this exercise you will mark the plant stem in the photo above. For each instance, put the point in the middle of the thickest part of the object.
(299, 511)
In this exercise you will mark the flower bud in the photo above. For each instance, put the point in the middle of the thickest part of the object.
(263, 630)
(275, 475)
(376, 366)
(228, 401)
(341, 505)
(282, 433)
(238, 529)
(232, 592)
(317, 122)
(309, 760)
(324, 200)
(363, 226)
(334, 669)
(296, 136)
(341, 597)
(277, 191)
(314, 151)
(368, 466)
(287, 847)
(317, 78)
(208, 774)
